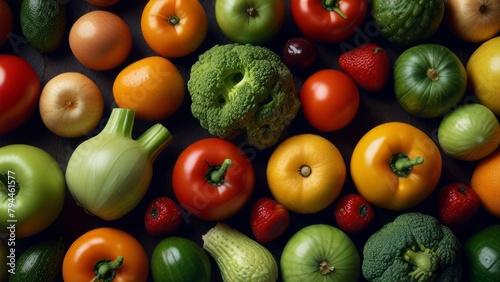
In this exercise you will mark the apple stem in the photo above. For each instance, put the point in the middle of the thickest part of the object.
(432, 74)
(305, 170)
(252, 12)
(326, 268)
(333, 5)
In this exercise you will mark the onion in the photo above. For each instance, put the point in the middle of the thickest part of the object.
(473, 20)
(108, 174)
(71, 104)
(470, 132)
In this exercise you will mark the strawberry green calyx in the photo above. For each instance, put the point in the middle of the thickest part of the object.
(333, 5)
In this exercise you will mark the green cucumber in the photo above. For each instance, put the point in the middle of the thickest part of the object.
(43, 23)
(406, 22)
(41, 262)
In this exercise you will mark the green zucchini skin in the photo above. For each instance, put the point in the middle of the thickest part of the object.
(406, 22)
(41, 262)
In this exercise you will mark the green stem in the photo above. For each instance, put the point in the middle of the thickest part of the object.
(155, 139)
(333, 5)
(402, 165)
(173, 20)
(121, 121)
(105, 269)
(425, 261)
(215, 174)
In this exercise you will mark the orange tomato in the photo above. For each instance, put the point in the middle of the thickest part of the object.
(117, 254)
(152, 86)
(6, 21)
(100, 40)
(306, 173)
(174, 28)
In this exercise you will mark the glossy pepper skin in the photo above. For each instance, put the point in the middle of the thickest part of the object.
(395, 166)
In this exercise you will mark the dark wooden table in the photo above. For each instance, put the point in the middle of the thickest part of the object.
(375, 108)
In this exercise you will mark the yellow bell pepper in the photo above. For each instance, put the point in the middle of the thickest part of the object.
(395, 166)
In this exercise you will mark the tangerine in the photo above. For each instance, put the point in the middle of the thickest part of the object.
(486, 182)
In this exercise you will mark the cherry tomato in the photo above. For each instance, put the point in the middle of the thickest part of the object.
(19, 92)
(115, 254)
(174, 28)
(330, 99)
(328, 20)
(206, 185)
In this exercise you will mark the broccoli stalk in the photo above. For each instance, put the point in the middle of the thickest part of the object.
(425, 261)
(413, 247)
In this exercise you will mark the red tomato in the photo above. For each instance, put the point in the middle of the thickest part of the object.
(200, 191)
(330, 99)
(19, 92)
(328, 20)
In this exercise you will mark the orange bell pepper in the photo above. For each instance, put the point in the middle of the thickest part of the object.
(105, 254)
(396, 166)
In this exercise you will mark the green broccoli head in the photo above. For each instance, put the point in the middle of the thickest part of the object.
(243, 89)
(414, 247)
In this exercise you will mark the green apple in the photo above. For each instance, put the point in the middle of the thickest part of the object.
(250, 21)
(32, 190)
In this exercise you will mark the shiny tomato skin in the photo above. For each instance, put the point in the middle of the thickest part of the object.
(328, 26)
(198, 196)
(330, 100)
(19, 92)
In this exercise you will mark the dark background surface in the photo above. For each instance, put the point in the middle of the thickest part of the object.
(375, 108)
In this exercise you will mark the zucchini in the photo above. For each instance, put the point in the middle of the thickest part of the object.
(409, 21)
(239, 258)
(41, 262)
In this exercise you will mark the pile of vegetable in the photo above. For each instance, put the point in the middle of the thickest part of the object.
(197, 140)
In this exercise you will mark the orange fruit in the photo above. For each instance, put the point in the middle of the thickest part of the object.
(306, 173)
(152, 86)
(100, 40)
(486, 182)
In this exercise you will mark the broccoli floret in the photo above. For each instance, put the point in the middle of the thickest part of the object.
(414, 247)
(243, 89)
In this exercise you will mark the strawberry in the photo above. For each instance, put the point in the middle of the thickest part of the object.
(457, 204)
(268, 219)
(353, 213)
(162, 217)
(368, 65)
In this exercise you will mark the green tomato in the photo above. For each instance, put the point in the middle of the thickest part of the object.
(32, 191)
(469, 132)
(482, 254)
(429, 80)
(250, 21)
(178, 259)
(320, 252)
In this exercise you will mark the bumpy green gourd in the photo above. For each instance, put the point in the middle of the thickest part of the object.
(409, 21)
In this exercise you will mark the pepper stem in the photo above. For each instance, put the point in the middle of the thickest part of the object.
(333, 5)
(215, 174)
(105, 269)
(402, 165)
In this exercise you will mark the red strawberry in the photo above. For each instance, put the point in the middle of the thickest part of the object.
(162, 217)
(353, 213)
(268, 220)
(457, 204)
(368, 65)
